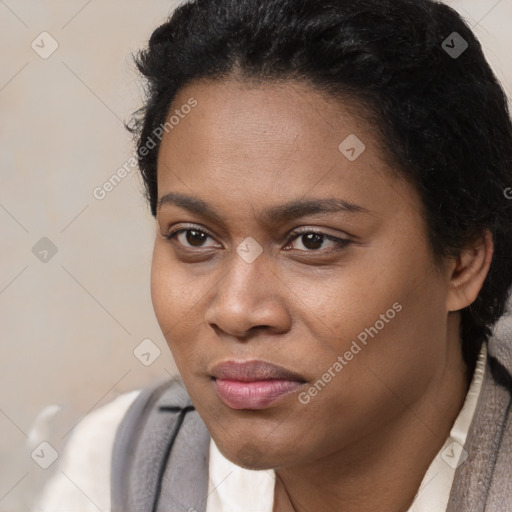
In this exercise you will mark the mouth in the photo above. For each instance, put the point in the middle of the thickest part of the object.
(253, 384)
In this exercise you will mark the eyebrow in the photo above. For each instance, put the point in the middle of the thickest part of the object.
(272, 215)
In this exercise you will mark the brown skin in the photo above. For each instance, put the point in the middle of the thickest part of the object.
(366, 440)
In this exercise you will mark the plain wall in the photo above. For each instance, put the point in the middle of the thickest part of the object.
(69, 325)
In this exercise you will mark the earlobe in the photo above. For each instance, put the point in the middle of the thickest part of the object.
(469, 272)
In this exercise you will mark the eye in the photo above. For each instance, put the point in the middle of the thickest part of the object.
(311, 241)
(314, 240)
(191, 237)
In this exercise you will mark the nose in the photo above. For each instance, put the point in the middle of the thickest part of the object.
(248, 298)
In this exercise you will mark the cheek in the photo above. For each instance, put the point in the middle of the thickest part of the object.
(162, 294)
(172, 293)
(391, 337)
(393, 358)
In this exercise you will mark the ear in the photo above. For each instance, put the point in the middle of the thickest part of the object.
(468, 272)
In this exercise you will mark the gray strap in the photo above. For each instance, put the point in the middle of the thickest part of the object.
(478, 478)
(185, 481)
(151, 463)
(500, 491)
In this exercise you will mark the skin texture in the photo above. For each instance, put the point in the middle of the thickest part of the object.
(365, 441)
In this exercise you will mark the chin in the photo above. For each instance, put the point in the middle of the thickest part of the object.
(256, 457)
(251, 456)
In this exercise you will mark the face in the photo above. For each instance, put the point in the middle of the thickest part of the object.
(288, 249)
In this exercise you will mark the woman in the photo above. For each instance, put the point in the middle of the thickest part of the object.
(329, 182)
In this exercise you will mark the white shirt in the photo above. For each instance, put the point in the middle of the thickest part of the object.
(82, 482)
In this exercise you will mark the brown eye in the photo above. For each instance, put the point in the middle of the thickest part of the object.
(195, 238)
(313, 241)
(191, 238)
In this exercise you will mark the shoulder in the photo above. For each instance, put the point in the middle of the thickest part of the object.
(160, 453)
(170, 395)
(484, 475)
(82, 479)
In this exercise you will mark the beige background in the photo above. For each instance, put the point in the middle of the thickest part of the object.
(69, 326)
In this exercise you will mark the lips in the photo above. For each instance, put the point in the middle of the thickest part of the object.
(253, 384)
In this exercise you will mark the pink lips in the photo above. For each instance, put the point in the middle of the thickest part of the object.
(253, 384)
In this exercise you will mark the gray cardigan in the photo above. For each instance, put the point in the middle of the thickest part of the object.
(161, 452)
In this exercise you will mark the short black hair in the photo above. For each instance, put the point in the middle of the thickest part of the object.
(441, 113)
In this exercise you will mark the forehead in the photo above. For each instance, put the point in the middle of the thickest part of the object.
(282, 111)
(248, 146)
(284, 127)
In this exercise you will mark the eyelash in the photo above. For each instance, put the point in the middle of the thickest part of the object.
(340, 243)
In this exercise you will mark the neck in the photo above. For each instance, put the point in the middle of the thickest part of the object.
(382, 471)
